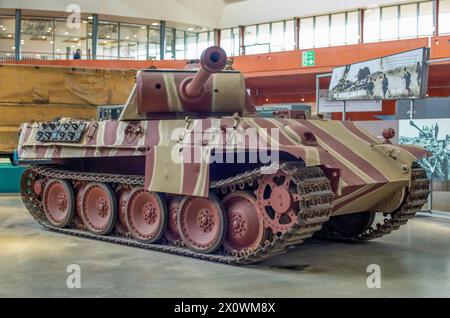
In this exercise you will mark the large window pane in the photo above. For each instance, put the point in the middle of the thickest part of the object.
(226, 41)
(179, 45)
(250, 35)
(153, 44)
(372, 25)
(203, 43)
(389, 23)
(108, 37)
(306, 33)
(68, 40)
(236, 42)
(337, 31)
(322, 31)
(277, 37)
(230, 41)
(352, 29)
(408, 20)
(37, 38)
(133, 42)
(170, 44)
(263, 33)
(289, 36)
(426, 18)
(444, 16)
(7, 49)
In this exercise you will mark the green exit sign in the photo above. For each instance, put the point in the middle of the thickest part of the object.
(309, 58)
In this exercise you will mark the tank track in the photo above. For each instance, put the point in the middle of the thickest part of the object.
(416, 197)
(311, 183)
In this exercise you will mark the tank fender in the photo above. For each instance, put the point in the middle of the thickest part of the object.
(173, 169)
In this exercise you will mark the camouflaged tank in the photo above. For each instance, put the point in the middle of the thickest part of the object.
(190, 169)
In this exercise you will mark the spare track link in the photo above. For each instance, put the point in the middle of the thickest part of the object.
(417, 196)
(311, 182)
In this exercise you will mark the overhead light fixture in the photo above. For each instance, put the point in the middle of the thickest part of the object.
(90, 17)
(9, 36)
(75, 39)
(1, 26)
(7, 54)
(90, 33)
(108, 36)
(51, 42)
(84, 22)
(58, 50)
(66, 33)
(13, 47)
(143, 27)
(155, 24)
(190, 29)
(135, 35)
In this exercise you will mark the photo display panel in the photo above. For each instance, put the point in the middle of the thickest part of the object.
(399, 76)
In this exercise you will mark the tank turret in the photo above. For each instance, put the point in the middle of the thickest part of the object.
(208, 90)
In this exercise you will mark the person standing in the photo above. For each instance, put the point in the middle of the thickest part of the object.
(385, 85)
(407, 78)
(77, 55)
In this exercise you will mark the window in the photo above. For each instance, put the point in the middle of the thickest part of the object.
(389, 23)
(289, 35)
(338, 30)
(329, 30)
(204, 40)
(133, 42)
(408, 20)
(68, 40)
(153, 43)
(399, 22)
(444, 16)
(352, 28)
(277, 37)
(7, 38)
(108, 41)
(372, 25)
(425, 22)
(230, 41)
(170, 44)
(37, 38)
(181, 40)
(306, 33)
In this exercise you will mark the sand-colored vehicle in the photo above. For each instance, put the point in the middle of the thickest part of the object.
(42, 93)
(190, 169)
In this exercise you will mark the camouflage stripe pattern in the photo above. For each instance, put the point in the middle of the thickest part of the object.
(368, 167)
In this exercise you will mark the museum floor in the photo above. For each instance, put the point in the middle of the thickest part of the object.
(415, 262)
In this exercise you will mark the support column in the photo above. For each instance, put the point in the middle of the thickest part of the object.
(94, 36)
(361, 26)
(217, 38)
(162, 39)
(18, 34)
(297, 33)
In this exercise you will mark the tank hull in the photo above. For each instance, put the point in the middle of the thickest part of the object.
(369, 171)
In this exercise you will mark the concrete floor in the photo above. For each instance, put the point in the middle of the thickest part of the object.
(415, 262)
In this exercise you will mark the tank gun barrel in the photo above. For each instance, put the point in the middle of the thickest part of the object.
(213, 60)
(417, 127)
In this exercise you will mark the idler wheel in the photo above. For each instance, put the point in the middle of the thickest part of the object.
(202, 223)
(58, 202)
(278, 202)
(172, 232)
(245, 226)
(350, 225)
(99, 208)
(146, 215)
